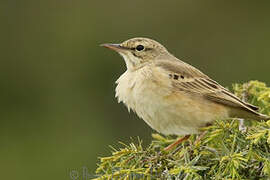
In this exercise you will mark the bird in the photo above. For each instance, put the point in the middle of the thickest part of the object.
(170, 95)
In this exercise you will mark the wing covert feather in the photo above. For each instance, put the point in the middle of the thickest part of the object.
(191, 80)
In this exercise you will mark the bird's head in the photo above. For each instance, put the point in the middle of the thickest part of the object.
(138, 52)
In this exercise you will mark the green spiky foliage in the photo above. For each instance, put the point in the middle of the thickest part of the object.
(225, 152)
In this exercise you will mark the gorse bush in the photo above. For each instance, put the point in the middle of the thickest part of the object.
(225, 152)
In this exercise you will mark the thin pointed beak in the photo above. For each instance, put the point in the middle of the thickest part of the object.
(115, 47)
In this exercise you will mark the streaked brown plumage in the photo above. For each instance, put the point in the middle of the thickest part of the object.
(172, 96)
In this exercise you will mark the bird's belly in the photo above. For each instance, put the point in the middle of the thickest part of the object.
(166, 111)
(175, 113)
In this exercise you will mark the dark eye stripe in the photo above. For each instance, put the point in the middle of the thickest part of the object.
(133, 49)
(123, 47)
(148, 49)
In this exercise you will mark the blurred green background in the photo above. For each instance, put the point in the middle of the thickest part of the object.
(58, 111)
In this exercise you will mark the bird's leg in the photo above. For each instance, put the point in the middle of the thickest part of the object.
(200, 137)
(176, 142)
(242, 127)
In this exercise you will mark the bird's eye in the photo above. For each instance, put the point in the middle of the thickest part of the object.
(140, 48)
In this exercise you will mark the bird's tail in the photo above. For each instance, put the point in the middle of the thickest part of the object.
(247, 113)
(257, 116)
(264, 117)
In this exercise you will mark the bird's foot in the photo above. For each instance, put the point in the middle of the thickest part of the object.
(171, 146)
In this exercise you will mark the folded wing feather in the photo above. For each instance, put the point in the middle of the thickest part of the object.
(194, 81)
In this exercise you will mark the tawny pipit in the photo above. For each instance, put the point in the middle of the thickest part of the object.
(170, 95)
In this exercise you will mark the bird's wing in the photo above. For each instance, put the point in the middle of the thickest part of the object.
(185, 77)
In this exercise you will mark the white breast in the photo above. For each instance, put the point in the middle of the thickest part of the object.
(149, 94)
